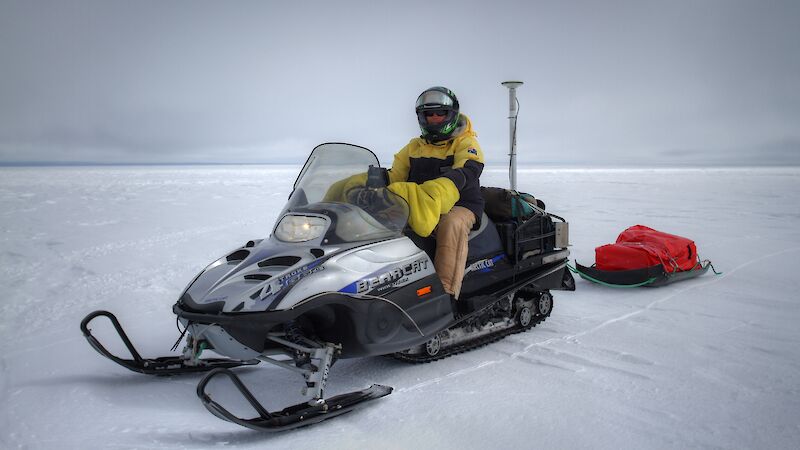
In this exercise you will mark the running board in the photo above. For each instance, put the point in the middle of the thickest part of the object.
(165, 365)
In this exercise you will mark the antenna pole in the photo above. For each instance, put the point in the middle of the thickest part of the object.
(512, 128)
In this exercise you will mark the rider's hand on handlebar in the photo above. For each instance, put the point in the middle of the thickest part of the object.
(369, 199)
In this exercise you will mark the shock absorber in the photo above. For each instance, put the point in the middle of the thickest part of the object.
(295, 335)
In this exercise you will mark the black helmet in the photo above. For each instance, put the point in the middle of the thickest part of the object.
(442, 101)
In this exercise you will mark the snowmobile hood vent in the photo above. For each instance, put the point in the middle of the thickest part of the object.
(280, 261)
(258, 276)
(238, 255)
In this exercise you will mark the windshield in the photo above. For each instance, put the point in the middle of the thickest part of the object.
(332, 182)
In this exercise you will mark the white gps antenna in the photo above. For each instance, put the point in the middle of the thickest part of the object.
(513, 110)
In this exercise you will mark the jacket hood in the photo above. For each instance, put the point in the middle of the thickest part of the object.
(463, 129)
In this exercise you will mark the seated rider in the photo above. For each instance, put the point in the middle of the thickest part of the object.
(438, 175)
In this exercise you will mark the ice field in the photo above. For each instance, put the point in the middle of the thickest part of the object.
(712, 362)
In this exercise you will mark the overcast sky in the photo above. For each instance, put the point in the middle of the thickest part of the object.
(606, 82)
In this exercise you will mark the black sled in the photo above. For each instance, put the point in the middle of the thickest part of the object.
(653, 276)
(642, 256)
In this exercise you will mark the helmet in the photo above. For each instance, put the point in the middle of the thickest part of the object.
(441, 101)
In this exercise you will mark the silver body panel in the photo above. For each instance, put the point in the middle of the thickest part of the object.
(235, 282)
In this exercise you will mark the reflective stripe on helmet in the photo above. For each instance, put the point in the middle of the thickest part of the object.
(433, 99)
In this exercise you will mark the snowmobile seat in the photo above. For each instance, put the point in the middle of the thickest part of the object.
(485, 241)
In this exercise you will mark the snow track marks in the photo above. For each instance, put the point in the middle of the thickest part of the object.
(573, 338)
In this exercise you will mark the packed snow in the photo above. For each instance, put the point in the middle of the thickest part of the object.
(713, 362)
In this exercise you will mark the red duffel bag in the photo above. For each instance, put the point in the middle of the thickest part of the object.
(640, 246)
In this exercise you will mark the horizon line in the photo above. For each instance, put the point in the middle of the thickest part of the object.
(488, 164)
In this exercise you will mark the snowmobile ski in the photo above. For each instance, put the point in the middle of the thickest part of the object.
(165, 365)
(302, 414)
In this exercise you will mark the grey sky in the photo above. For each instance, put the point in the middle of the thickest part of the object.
(606, 82)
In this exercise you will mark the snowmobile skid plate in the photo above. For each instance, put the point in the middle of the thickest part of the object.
(296, 416)
(165, 365)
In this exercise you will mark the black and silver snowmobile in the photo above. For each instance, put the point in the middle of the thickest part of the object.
(349, 279)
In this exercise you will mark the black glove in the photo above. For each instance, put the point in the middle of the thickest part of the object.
(369, 199)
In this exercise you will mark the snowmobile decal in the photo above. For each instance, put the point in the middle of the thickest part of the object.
(296, 275)
(384, 279)
(278, 289)
(484, 265)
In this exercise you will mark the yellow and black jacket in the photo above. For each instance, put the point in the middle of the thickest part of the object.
(434, 177)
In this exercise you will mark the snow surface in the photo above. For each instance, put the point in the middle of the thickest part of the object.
(712, 362)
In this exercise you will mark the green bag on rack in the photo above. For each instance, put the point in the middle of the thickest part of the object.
(503, 205)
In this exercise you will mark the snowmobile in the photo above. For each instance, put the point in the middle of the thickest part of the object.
(347, 279)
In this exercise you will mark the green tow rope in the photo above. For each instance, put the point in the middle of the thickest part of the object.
(595, 280)
(712, 268)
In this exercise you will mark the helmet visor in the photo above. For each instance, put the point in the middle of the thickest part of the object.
(433, 99)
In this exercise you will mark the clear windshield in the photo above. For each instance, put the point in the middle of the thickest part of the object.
(334, 179)
(326, 165)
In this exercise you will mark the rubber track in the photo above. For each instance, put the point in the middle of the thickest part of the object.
(469, 345)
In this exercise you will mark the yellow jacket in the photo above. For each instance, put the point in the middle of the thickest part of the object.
(434, 177)
(431, 178)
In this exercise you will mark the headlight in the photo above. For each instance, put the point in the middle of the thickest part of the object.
(299, 228)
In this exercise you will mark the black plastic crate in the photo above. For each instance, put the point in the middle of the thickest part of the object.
(534, 234)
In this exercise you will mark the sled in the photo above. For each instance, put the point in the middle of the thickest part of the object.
(646, 257)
